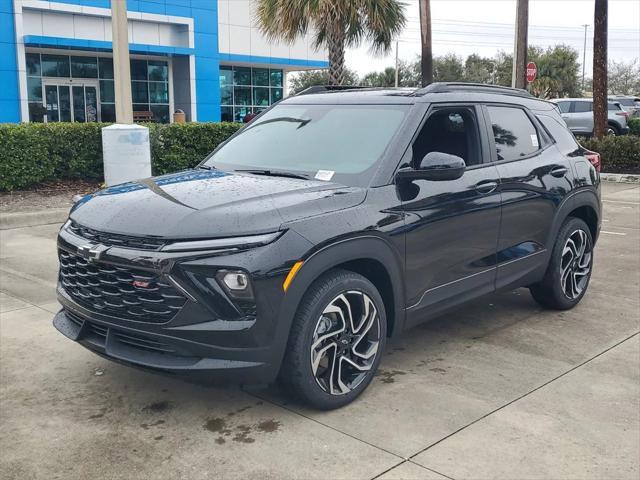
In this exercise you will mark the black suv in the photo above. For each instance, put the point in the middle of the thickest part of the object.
(332, 221)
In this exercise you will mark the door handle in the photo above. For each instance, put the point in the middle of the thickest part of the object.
(558, 172)
(486, 187)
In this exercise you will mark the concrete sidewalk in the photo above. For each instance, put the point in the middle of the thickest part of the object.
(498, 389)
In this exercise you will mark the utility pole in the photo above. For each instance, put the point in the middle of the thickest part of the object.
(397, 64)
(518, 73)
(600, 24)
(584, 53)
(121, 67)
(426, 62)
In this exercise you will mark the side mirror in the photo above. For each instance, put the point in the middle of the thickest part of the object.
(436, 166)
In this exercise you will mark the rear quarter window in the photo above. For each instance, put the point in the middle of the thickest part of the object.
(514, 134)
(563, 137)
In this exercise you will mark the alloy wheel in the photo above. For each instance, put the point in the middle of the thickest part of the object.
(345, 342)
(575, 264)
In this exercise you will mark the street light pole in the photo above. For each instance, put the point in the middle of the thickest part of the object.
(584, 53)
(397, 64)
(121, 68)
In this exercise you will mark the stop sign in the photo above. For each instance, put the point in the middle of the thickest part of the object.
(532, 71)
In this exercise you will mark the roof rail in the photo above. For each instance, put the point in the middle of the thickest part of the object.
(328, 89)
(472, 87)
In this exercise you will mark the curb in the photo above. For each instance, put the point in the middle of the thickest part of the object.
(32, 219)
(619, 178)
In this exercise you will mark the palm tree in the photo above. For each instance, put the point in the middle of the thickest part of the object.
(600, 69)
(335, 24)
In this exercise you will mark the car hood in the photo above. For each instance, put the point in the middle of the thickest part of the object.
(203, 203)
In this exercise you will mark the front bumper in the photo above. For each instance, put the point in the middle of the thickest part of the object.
(157, 352)
(207, 335)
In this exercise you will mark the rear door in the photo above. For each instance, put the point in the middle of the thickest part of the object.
(581, 117)
(534, 180)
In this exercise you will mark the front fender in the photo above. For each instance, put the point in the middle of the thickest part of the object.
(324, 258)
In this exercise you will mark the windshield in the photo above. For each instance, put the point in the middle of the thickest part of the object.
(340, 143)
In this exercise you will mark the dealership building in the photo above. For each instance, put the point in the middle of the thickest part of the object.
(206, 58)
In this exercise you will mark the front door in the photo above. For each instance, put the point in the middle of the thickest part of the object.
(71, 102)
(452, 226)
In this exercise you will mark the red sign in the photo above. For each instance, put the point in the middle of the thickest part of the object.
(532, 71)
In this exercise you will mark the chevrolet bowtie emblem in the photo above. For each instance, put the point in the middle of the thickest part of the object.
(91, 252)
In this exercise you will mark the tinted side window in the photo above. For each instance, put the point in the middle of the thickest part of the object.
(563, 106)
(565, 140)
(582, 107)
(614, 106)
(514, 134)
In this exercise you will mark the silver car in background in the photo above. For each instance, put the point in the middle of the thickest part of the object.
(578, 114)
(630, 103)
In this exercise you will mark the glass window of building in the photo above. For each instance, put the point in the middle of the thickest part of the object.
(55, 88)
(245, 90)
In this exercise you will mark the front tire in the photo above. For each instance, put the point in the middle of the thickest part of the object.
(336, 340)
(567, 277)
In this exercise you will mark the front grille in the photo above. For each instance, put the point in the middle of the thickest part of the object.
(109, 289)
(116, 240)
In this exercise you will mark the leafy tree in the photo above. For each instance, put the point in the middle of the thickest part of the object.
(408, 76)
(335, 24)
(624, 78)
(558, 70)
(310, 78)
(504, 67)
(479, 69)
(448, 68)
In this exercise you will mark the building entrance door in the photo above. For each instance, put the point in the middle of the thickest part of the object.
(73, 101)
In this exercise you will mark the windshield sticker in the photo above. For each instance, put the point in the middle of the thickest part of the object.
(534, 140)
(325, 175)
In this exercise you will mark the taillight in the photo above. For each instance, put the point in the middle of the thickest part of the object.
(594, 158)
(624, 114)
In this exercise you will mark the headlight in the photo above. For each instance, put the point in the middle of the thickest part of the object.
(222, 243)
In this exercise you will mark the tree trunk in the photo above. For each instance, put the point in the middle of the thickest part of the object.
(426, 62)
(600, 106)
(335, 45)
(520, 50)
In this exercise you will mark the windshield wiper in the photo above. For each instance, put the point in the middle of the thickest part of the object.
(204, 166)
(275, 173)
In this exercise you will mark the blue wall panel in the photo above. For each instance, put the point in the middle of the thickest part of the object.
(10, 92)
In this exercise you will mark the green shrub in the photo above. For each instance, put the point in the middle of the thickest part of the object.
(34, 152)
(620, 154)
(634, 126)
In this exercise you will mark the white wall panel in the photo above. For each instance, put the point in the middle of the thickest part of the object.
(259, 44)
(223, 11)
(32, 22)
(57, 24)
(91, 28)
(240, 40)
(223, 37)
(145, 32)
(239, 13)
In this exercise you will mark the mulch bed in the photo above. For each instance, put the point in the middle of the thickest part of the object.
(55, 194)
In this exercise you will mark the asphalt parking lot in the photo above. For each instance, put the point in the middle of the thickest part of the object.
(498, 389)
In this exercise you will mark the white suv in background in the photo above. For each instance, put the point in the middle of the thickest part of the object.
(578, 114)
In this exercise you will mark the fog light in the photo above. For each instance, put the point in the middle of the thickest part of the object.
(236, 280)
(236, 283)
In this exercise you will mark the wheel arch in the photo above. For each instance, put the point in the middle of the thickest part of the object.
(585, 205)
(370, 256)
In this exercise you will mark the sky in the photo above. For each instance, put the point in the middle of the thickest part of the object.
(485, 27)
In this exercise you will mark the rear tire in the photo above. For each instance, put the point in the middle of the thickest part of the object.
(567, 277)
(330, 360)
(612, 130)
